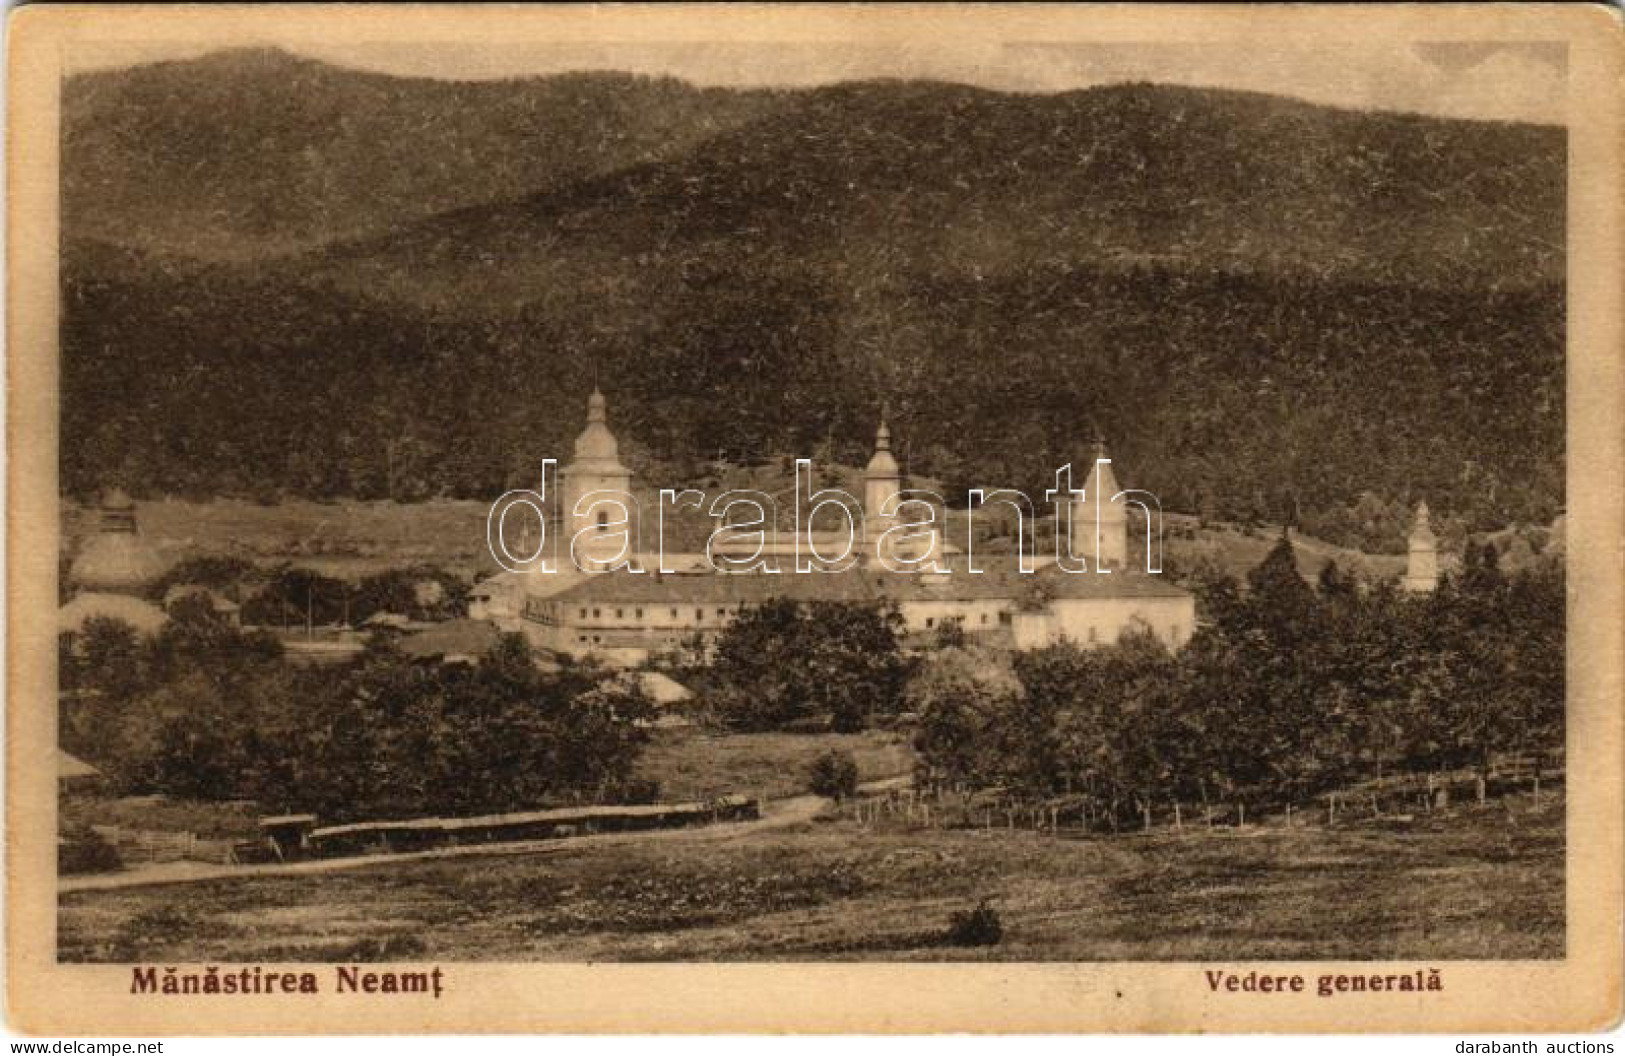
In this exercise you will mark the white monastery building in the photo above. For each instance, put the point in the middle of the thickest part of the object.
(644, 607)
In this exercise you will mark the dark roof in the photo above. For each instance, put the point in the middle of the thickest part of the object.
(718, 588)
(287, 819)
(454, 637)
(1118, 583)
(864, 585)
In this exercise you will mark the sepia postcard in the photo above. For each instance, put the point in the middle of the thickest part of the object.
(781, 518)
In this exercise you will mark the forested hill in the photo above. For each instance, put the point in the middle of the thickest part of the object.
(358, 284)
(251, 152)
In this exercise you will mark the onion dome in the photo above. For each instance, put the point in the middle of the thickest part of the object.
(597, 451)
(882, 464)
(116, 559)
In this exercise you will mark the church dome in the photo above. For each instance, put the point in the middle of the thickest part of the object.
(116, 559)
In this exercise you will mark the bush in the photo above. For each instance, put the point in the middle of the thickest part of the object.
(975, 927)
(834, 774)
(373, 950)
(635, 790)
(84, 850)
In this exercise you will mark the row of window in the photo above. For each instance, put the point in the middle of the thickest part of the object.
(597, 612)
(598, 639)
(1004, 620)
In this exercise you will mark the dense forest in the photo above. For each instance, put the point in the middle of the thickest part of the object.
(1271, 309)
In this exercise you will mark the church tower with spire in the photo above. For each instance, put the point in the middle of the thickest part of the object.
(882, 479)
(1422, 555)
(1108, 548)
(596, 471)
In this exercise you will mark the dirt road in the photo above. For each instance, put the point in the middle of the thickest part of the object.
(776, 814)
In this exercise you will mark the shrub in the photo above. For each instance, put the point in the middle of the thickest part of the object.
(834, 774)
(84, 850)
(161, 923)
(975, 927)
(388, 948)
(638, 790)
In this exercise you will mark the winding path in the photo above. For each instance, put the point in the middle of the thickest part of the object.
(776, 814)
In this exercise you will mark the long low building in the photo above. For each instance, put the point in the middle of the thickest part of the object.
(624, 618)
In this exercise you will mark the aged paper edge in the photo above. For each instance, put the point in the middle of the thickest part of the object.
(1580, 992)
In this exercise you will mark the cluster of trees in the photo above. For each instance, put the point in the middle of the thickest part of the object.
(201, 710)
(1289, 691)
(290, 596)
(793, 664)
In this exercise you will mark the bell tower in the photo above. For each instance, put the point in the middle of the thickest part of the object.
(882, 479)
(1108, 547)
(591, 486)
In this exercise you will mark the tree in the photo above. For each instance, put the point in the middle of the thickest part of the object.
(834, 774)
(225, 574)
(107, 656)
(964, 699)
(783, 662)
(291, 597)
(951, 634)
(406, 739)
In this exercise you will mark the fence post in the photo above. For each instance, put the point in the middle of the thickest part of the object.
(1179, 825)
(1242, 815)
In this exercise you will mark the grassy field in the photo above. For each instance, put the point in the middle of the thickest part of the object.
(346, 538)
(1479, 883)
(692, 764)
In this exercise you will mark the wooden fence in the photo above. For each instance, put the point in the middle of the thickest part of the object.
(1394, 797)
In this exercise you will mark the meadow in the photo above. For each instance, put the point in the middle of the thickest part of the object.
(1474, 883)
(689, 763)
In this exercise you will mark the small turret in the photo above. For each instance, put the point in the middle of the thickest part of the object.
(1422, 556)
